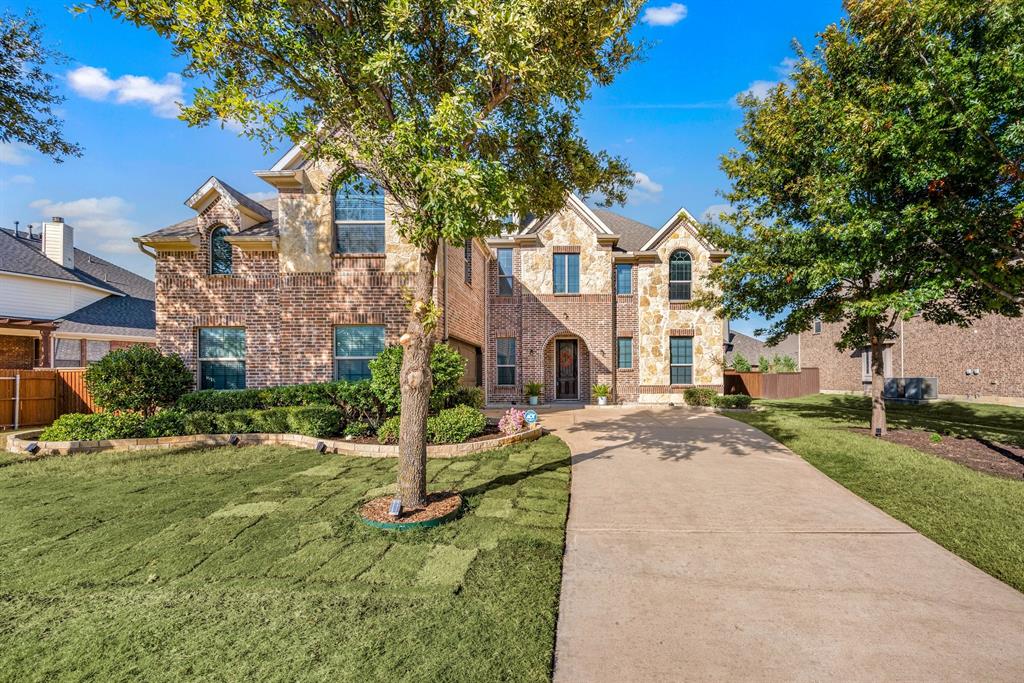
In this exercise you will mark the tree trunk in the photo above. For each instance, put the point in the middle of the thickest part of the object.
(416, 382)
(878, 422)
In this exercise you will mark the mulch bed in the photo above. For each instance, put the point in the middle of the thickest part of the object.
(490, 432)
(1004, 460)
(439, 504)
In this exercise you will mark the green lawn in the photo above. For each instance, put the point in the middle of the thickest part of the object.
(978, 516)
(249, 564)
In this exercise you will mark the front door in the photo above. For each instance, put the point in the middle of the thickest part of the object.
(566, 370)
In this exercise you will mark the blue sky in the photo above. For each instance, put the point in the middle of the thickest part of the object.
(671, 116)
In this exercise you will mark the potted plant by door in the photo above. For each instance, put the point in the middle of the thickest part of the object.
(533, 390)
(601, 393)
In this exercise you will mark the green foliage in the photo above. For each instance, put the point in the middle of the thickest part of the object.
(699, 396)
(763, 364)
(318, 421)
(164, 423)
(601, 390)
(82, 427)
(534, 388)
(784, 364)
(468, 396)
(356, 429)
(455, 425)
(731, 401)
(936, 438)
(884, 179)
(355, 399)
(740, 363)
(200, 422)
(446, 367)
(389, 430)
(234, 422)
(138, 378)
(30, 96)
(271, 421)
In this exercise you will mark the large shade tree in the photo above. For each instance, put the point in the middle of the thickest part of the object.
(884, 180)
(464, 111)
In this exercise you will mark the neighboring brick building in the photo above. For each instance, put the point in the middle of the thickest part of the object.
(64, 307)
(983, 362)
(308, 287)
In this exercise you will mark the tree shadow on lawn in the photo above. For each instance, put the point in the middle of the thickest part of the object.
(674, 435)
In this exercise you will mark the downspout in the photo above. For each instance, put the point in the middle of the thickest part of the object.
(903, 368)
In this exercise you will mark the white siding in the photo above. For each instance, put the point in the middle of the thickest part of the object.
(24, 297)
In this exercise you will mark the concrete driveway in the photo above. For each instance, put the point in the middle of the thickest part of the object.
(700, 549)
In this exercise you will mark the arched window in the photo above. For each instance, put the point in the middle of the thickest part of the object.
(220, 252)
(359, 217)
(680, 275)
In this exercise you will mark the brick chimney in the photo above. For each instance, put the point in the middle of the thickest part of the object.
(59, 242)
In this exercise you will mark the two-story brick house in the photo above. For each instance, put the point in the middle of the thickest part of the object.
(308, 287)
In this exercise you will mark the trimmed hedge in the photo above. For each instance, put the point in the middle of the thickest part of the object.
(96, 427)
(455, 425)
(732, 401)
(388, 431)
(699, 396)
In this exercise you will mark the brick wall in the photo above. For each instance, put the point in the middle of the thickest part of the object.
(626, 326)
(994, 345)
(17, 353)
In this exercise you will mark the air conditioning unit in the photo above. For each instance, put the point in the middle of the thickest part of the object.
(912, 388)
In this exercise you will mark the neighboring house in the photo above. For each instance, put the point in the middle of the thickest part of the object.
(64, 307)
(753, 348)
(982, 362)
(308, 286)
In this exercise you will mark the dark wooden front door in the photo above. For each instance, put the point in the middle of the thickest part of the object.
(566, 370)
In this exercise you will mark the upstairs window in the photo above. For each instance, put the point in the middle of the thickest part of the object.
(467, 266)
(504, 272)
(817, 326)
(505, 355)
(680, 276)
(566, 273)
(623, 278)
(221, 358)
(354, 347)
(681, 359)
(359, 217)
(220, 252)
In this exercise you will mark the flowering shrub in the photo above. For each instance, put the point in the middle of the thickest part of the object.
(512, 422)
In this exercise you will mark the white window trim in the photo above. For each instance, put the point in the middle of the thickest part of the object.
(334, 345)
(338, 224)
(565, 285)
(671, 281)
(515, 350)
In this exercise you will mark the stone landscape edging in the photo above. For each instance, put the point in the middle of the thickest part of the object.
(17, 443)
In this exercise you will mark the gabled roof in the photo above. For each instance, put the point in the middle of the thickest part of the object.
(581, 208)
(23, 255)
(214, 187)
(187, 228)
(127, 316)
(683, 217)
(632, 234)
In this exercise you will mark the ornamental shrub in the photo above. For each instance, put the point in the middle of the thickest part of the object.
(271, 421)
(512, 422)
(234, 422)
(221, 400)
(164, 423)
(356, 399)
(468, 396)
(784, 364)
(455, 425)
(446, 367)
(138, 378)
(732, 401)
(200, 422)
(699, 396)
(356, 429)
(317, 421)
(83, 427)
(740, 363)
(388, 430)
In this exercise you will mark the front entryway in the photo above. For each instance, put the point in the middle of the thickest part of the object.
(567, 370)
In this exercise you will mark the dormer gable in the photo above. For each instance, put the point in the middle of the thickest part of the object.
(250, 212)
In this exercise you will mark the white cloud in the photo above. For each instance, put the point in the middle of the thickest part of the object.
(14, 153)
(761, 88)
(711, 213)
(163, 98)
(644, 189)
(262, 196)
(667, 15)
(21, 179)
(100, 222)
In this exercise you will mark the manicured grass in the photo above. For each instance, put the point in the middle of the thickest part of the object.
(978, 516)
(249, 564)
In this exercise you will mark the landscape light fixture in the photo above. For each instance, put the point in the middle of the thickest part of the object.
(395, 509)
(878, 432)
(321, 447)
(234, 440)
(32, 448)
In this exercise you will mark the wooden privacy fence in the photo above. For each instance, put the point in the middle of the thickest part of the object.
(772, 384)
(41, 396)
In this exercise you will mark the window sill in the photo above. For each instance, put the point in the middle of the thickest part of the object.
(359, 255)
(626, 369)
(566, 294)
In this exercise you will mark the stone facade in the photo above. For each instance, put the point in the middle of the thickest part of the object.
(992, 345)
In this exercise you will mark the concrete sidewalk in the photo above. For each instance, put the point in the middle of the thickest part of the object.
(700, 549)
